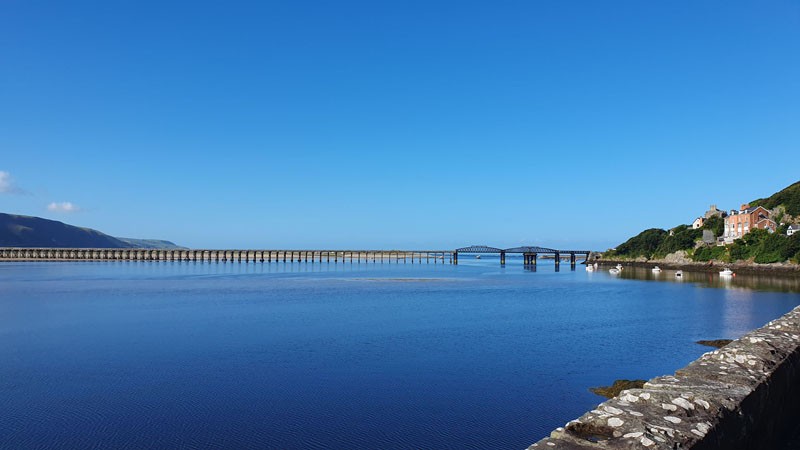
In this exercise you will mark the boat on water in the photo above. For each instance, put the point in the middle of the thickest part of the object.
(679, 274)
(477, 256)
(619, 267)
(589, 268)
(726, 273)
(656, 269)
(614, 271)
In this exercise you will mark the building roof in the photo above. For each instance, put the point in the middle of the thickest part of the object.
(794, 227)
(753, 208)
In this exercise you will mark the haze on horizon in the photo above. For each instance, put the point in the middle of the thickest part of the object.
(394, 124)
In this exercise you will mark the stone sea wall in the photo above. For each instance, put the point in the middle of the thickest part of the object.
(744, 396)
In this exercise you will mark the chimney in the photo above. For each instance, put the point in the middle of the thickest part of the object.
(745, 206)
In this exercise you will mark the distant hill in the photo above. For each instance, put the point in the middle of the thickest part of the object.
(151, 243)
(789, 198)
(28, 231)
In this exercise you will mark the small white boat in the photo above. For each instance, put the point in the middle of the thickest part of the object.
(477, 256)
(619, 267)
(726, 273)
(613, 271)
(656, 269)
(679, 274)
(595, 265)
(589, 268)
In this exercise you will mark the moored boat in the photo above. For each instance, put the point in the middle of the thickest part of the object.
(726, 273)
(679, 274)
(656, 269)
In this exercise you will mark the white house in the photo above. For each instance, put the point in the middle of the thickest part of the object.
(792, 229)
(698, 223)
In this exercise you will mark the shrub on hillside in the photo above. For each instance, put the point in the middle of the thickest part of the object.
(643, 244)
(718, 253)
(764, 247)
(771, 249)
(739, 251)
(683, 238)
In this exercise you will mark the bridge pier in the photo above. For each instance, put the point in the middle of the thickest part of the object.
(572, 260)
(529, 259)
(558, 261)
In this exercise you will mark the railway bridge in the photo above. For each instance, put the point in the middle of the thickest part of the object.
(529, 254)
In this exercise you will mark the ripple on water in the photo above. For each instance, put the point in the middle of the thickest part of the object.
(227, 356)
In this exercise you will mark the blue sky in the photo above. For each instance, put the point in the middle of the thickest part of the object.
(411, 124)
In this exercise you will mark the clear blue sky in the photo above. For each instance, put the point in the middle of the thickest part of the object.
(395, 124)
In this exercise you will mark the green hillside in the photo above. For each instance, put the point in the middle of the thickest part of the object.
(757, 246)
(789, 198)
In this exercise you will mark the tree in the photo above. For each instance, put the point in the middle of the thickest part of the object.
(716, 224)
(643, 244)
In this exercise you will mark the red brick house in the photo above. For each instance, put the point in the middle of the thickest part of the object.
(739, 223)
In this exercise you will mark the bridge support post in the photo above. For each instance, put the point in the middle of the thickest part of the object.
(572, 260)
(455, 258)
(502, 258)
(558, 261)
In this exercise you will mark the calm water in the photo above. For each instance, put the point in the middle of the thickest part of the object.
(190, 355)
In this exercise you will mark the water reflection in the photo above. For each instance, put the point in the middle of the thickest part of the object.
(712, 279)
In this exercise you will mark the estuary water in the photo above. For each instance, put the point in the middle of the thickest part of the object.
(300, 355)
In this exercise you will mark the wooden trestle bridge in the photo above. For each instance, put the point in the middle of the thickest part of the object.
(309, 256)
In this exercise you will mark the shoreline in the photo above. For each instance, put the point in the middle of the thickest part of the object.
(780, 269)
